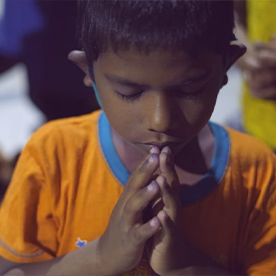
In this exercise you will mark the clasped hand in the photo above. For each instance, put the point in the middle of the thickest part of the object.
(128, 234)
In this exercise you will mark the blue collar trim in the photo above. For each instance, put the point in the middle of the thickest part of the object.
(109, 151)
(189, 195)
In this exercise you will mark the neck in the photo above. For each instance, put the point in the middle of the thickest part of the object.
(129, 154)
(196, 157)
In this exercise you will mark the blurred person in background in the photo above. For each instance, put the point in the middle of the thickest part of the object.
(41, 34)
(256, 28)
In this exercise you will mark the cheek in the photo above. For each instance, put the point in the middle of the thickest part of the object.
(124, 117)
(198, 112)
(208, 99)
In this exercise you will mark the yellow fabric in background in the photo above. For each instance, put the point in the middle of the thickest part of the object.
(260, 115)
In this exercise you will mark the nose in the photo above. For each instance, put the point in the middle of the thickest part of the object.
(161, 112)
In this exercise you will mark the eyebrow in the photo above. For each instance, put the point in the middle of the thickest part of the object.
(122, 81)
(125, 82)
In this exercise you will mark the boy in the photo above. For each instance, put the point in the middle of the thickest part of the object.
(148, 185)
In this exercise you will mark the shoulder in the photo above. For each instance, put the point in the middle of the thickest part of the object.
(81, 124)
(60, 141)
(252, 161)
(75, 130)
(248, 146)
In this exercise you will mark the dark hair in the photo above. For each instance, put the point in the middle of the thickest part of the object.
(189, 25)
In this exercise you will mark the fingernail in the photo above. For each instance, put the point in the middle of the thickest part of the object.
(154, 222)
(154, 150)
(152, 158)
(161, 179)
(167, 150)
(165, 214)
(152, 186)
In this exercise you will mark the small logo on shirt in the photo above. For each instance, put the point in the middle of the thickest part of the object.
(81, 243)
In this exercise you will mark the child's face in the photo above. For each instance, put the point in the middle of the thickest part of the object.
(164, 97)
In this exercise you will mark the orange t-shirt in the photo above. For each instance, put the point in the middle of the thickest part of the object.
(69, 177)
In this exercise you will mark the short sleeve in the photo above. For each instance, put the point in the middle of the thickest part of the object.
(27, 226)
(259, 246)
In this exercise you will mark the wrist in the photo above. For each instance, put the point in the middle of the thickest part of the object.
(98, 258)
(102, 265)
(103, 262)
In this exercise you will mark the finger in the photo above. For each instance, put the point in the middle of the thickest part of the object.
(167, 224)
(251, 62)
(142, 176)
(142, 233)
(260, 46)
(156, 206)
(262, 79)
(267, 59)
(133, 210)
(169, 198)
(268, 93)
(266, 53)
(248, 58)
(167, 194)
(167, 167)
(155, 149)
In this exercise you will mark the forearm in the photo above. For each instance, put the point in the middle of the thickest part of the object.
(79, 262)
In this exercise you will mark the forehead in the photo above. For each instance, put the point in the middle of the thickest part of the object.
(156, 65)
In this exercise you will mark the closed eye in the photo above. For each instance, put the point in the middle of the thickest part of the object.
(129, 98)
(137, 96)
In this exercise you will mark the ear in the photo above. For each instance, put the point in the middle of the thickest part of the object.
(225, 80)
(79, 58)
(235, 52)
